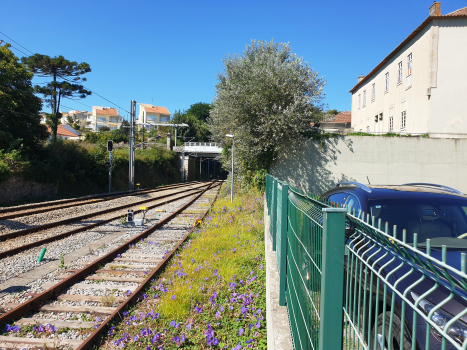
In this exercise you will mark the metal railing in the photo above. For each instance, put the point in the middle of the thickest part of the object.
(204, 144)
(349, 282)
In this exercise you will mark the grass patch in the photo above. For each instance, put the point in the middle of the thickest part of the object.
(212, 292)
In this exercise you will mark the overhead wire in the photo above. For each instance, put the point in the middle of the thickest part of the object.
(63, 77)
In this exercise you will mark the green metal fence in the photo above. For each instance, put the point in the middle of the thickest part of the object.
(350, 283)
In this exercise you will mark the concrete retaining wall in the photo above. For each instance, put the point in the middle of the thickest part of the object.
(385, 160)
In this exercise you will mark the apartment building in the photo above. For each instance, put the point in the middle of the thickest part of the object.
(421, 86)
(103, 117)
(152, 114)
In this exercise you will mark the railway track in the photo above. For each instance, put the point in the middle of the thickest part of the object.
(37, 208)
(88, 298)
(19, 241)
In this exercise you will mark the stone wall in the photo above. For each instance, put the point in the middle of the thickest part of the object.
(384, 160)
(16, 189)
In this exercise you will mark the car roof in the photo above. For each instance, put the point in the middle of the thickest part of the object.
(397, 191)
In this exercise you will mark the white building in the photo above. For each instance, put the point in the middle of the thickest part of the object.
(421, 86)
(152, 114)
(103, 117)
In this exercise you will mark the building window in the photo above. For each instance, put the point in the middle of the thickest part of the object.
(403, 116)
(364, 98)
(399, 73)
(164, 119)
(391, 119)
(373, 88)
(409, 64)
(102, 119)
(359, 100)
(386, 86)
(113, 120)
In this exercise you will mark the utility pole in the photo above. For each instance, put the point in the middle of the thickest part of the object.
(176, 127)
(110, 145)
(131, 174)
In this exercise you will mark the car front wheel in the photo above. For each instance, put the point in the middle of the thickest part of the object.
(383, 344)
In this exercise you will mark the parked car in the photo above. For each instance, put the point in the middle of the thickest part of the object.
(434, 212)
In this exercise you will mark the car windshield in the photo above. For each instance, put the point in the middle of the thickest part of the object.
(428, 217)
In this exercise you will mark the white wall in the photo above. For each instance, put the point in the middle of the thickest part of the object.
(449, 98)
(414, 93)
(385, 160)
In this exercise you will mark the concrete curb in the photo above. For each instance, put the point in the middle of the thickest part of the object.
(278, 331)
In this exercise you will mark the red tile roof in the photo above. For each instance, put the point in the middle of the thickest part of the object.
(61, 131)
(459, 13)
(342, 117)
(156, 109)
(107, 111)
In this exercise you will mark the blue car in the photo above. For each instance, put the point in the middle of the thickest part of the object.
(385, 311)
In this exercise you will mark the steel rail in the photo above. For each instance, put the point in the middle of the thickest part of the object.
(57, 289)
(90, 340)
(19, 249)
(86, 201)
(76, 218)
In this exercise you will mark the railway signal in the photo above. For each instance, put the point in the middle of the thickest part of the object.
(110, 145)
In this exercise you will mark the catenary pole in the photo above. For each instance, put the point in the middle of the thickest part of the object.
(131, 177)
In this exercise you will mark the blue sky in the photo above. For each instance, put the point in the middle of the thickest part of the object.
(169, 52)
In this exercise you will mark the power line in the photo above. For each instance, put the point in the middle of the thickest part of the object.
(19, 50)
(17, 43)
(29, 115)
(63, 77)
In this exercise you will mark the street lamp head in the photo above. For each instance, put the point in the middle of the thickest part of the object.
(230, 135)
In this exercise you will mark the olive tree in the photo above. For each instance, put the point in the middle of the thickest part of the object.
(268, 97)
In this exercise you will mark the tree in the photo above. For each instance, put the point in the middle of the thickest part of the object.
(195, 117)
(65, 76)
(200, 110)
(268, 97)
(20, 126)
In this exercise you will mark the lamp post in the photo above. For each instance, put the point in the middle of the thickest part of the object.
(232, 175)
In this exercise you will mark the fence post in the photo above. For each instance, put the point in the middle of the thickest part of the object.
(332, 279)
(283, 244)
(273, 216)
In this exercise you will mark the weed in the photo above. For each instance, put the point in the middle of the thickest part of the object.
(123, 220)
(108, 300)
(426, 136)
(62, 262)
(63, 330)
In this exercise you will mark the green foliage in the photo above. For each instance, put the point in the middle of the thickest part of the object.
(69, 73)
(195, 117)
(118, 135)
(83, 170)
(200, 110)
(20, 126)
(426, 136)
(360, 133)
(268, 97)
(259, 179)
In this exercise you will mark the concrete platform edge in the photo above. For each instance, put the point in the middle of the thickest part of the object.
(278, 330)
